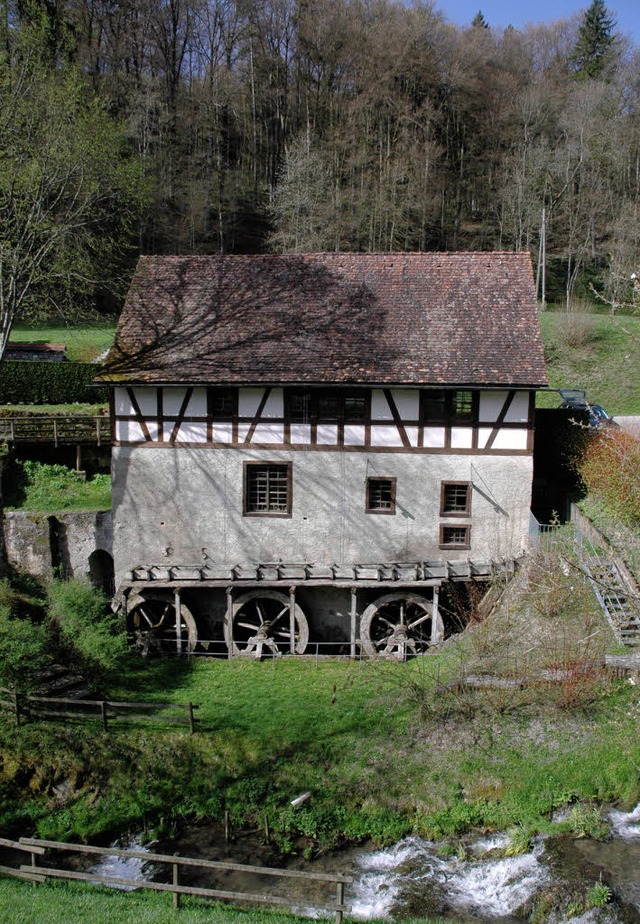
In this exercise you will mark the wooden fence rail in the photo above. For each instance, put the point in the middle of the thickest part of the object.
(106, 711)
(57, 429)
(37, 847)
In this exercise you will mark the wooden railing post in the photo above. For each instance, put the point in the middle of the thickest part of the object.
(103, 711)
(339, 901)
(192, 727)
(176, 881)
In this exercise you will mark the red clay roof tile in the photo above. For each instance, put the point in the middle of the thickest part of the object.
(393, 318)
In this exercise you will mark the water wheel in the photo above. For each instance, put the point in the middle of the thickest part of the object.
(151, 621)
(396, 625)
(260, 619)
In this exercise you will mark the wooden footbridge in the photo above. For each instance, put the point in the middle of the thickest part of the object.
(57, 430)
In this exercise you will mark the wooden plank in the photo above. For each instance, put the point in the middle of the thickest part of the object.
(21, 874)
(164, 886)
(17, 845)
(184, 861)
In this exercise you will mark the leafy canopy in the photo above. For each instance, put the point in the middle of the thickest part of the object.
(71, 189)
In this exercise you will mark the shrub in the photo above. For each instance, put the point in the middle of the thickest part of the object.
(576, 329)
(91, 634)
(610, 469)
(24, 382)
(23, 643)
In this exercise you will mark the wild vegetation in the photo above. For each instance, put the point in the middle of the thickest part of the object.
(45, 488)
(208, 126)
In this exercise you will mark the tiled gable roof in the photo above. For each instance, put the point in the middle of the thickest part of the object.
(395, 318)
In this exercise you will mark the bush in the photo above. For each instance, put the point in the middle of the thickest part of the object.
(610, 469)
(23, 642)
(90, 633)
(25, 382)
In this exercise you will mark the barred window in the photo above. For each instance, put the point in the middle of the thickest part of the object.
(455, 498)
(267, 489)
(455, 537)
(381, 495)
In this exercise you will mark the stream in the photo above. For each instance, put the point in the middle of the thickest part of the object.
(476, 884)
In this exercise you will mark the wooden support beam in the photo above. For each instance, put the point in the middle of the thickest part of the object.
(178, 608)
(292, 620)
(354, 620)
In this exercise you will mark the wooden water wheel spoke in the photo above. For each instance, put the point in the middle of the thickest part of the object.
(244, 637)
(417, 622)
(151, 621)
(410, 618)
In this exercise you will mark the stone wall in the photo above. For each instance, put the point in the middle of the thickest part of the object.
(44, 545)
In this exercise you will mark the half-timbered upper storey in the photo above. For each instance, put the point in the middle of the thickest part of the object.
(431, 352)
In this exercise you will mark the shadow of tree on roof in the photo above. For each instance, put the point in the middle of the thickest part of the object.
(238, 319)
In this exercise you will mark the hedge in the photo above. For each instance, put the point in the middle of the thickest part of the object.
(38, 382)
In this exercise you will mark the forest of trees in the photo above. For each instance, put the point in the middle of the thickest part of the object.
(365, 125)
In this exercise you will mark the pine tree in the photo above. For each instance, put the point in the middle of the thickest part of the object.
(596, 42)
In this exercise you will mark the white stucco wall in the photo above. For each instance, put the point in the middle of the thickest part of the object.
(170, 504)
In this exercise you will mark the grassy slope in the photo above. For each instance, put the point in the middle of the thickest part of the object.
(84, 343)
(598, 352)
(385, 749)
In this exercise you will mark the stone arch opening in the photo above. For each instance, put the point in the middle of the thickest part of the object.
(101, 571)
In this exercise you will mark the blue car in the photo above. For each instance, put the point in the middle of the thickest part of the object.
(577, 398)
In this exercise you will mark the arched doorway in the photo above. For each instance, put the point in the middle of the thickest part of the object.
(101, 571)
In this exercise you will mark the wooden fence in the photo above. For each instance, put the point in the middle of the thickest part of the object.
(107, 712)
(57, 429)
(38, 873)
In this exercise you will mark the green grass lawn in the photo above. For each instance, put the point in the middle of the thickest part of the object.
(598, 352)
(43, 488)
(84, 343)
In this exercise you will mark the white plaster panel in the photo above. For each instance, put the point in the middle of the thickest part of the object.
(172, 399)
(275, 404)
(407, 400)
(412, 435)
(492, 402)
(461, 437)
(147, 399)
(249, 401)
(519, 410)
(130, 431)
(433, 437)
(380, 409)
(192, 432)
(511, 439)
(354, 435)
(222, 433)
(301, 433)
(268, 433)
(327, 435)
(505, 439)
(385, 436)
(123, 405)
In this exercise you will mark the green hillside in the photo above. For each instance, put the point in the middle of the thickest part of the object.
(598, 352)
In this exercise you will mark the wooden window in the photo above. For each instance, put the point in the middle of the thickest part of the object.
(455, 499)
(433, 405)
(267, 489)
(381, 495)
(462, 405)
(299, 405)
(330, 407)
(224, 403)
(455, 537)
(355, 407)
